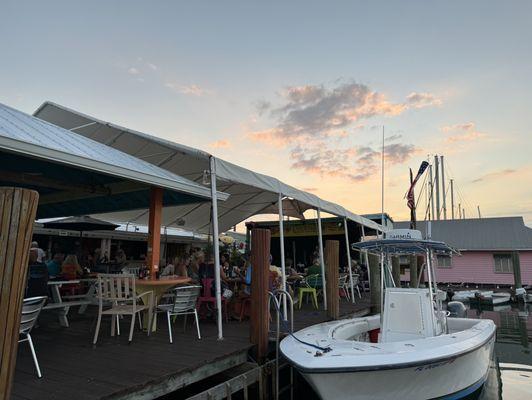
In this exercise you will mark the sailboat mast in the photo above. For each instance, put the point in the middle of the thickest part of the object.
(382, 182)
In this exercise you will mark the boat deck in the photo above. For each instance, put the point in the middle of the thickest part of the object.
(146, 369)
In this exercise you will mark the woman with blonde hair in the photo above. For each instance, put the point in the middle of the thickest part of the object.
(71, 268)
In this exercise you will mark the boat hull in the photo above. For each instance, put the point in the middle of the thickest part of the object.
(454, 378)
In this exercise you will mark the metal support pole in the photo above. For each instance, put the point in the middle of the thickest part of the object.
(431, 200)
(349, 260)
(216, 247)
(366, 259)
(437, 179)
(281, 243)
(444, 194)
(452, 199)
(322, 261)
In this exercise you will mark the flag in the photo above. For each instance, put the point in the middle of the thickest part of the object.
(411, 200)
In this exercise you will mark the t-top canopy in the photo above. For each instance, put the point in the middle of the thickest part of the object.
(76, 175)
(250, 193)
(402, 246)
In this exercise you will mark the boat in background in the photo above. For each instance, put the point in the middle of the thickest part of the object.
(488, 297)
(413, 350)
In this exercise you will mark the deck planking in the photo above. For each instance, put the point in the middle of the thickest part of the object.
(147, 368)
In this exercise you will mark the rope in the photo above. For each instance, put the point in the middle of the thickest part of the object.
(287, 329)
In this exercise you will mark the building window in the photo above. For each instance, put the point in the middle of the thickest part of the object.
(444, 261)
(503, 263)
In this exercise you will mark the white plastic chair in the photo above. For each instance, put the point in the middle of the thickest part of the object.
(31, 308)
(183, 302)
(343, 285)
(131, 270)
(356, 284)
(118, 290)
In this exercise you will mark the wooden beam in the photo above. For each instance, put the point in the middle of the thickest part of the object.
(17, 214)
(260, 261)
(396, 271)
(154, 230)
(413, 271)
(375, 282)
(332, 264)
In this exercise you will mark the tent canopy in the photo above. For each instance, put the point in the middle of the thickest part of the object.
(75, 175)
(250, 193)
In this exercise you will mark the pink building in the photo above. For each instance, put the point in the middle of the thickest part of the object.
(485, 245)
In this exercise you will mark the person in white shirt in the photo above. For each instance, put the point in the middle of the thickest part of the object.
(41, 255)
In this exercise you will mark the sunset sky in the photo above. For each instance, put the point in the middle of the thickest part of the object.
(299, 91)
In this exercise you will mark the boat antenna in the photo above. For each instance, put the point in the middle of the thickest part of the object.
(382, 182)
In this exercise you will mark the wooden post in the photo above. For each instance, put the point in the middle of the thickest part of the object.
(154, 230)
(260, 262)
(396, 271)
(375, 283)
(413, 271)
(332, 263)
(17, 214)
(517, 269)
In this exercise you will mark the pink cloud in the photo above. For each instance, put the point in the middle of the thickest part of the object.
(220, 144)
(465, 132)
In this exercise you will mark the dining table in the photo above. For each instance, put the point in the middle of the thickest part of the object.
(159, 287)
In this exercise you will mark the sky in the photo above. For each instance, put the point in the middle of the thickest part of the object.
(299, 90)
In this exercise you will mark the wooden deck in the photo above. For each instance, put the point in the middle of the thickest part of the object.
(148, 368)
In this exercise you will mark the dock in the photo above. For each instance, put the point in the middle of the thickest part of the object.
(148, 368)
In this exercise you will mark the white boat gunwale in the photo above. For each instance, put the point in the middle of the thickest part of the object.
(384, 367)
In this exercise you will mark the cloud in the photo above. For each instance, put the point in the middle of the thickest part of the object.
(153, 67)
(495, 174)
(133, 71)
(220, 144)
(310, 189)
(315, 111)
(192, 90)
(421, 100)
(316, 122)
(355, 163)
(465, 132)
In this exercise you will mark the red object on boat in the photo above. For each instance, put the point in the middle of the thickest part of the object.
(374, 335)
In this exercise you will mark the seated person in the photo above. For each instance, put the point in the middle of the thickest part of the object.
(315, 268)
(120, 257)
(37, 276)
(71, 268)
(169, 268)
(54, 265)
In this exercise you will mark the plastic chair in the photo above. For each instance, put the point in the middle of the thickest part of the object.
(119, 291)
(31, 308)
(183, 303)
(309, 287)
(343, 285)
(207, 297)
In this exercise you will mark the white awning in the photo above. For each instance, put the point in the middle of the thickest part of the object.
(32, 150)
(250, 192)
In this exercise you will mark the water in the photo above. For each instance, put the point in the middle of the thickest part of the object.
(508, 378)
(510, 375)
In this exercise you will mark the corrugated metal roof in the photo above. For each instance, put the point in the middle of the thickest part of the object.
(23, 133)
(250, 192)
(504, 233)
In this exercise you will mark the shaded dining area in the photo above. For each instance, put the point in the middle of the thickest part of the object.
(120, 330)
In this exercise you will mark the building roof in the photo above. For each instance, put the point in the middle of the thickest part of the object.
(33, 150)
(250, 192)
(503, 233)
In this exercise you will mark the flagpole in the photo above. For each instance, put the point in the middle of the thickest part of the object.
(382, 183)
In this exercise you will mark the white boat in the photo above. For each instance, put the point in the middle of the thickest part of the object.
(411, 351)
(522, 295)
(484, 296)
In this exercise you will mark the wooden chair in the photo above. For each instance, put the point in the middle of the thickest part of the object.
(183, 303)
(118, 290)
(309, 286)
(31, 308)
(207, 297)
